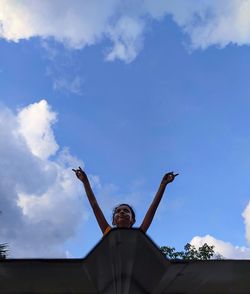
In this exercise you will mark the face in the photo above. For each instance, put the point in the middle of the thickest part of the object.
(123, 217)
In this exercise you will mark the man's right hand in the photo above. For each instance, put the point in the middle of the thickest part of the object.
(81, 174)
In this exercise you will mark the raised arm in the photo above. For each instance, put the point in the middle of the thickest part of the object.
(81, 175)
(168, 178)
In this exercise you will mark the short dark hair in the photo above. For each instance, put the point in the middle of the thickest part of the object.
(131, 209)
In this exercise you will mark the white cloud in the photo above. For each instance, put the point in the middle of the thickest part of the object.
(212, 22)
(76, 23)
(79, 23)
(246, 216)
(35, 126)
(40, 198)
(41, 201)
(127, 39)
(72, 85)
(226, 249)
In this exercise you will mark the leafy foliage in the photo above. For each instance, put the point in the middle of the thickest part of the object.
(205, 252)
(3, 250)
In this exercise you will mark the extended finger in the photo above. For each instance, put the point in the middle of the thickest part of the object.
(80, 168)
(74, 170)
(175, 175)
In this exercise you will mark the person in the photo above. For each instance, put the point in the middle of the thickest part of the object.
(123, 214)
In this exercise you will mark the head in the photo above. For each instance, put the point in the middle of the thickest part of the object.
(123, 216)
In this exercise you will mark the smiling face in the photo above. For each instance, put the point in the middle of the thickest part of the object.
(123, 217)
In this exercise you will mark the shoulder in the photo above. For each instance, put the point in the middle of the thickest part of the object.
(107, 230)
(142, 229)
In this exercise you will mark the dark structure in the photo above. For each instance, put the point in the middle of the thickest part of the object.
(125, 261)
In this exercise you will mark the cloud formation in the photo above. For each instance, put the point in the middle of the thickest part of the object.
(246, 216)
(79, 23)
(40, 199)
(40, 202)
(212, 22)
(71, 85)
(35, 123)
(226, 249)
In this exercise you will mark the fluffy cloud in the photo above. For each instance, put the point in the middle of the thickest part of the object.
(212, 22)
(127, 39)
(75, 23)
(35, 125)
(246, 216)
(40, 197)
(226, 249)
(79, 23)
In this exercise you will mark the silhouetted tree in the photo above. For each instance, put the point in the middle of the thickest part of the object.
(205, 252)
(3, 250)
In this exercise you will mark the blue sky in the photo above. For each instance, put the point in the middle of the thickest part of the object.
(130, 94)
